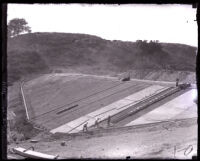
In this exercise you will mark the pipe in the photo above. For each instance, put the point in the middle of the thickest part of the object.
(23, 96)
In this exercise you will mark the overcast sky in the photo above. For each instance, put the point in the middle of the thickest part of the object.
(166, 23)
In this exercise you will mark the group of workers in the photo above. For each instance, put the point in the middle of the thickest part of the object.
(85, 127)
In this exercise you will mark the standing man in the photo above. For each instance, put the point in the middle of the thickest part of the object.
(97, 122)
(177, 81)
(108, 121)
(85, 127)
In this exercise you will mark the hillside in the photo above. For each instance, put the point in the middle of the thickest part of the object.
(38, 53)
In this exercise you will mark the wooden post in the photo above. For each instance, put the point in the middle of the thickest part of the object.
(24, 100)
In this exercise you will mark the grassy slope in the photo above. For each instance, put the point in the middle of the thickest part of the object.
(38, 53)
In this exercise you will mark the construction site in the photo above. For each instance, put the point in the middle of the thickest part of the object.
(75, 110)
(98, 81)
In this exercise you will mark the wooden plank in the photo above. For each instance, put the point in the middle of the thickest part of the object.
(33, 154)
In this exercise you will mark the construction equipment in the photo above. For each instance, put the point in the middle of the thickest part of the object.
(126, 77)
(184, 85)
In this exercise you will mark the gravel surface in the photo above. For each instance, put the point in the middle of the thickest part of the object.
(161, 140)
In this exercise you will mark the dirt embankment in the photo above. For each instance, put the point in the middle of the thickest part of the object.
(20, 129)
(164, 75)
(162, 140)
(146, 74)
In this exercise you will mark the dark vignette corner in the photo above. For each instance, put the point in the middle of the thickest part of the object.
(3, 81)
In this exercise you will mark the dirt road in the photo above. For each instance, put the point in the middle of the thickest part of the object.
(162, 140)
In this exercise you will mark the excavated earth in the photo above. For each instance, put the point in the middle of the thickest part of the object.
(172, 138)
(177, 139)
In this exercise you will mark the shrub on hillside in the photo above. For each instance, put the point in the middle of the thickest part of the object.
(151, 47)
(21, 64)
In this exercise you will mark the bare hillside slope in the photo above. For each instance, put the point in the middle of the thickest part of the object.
(38, 53)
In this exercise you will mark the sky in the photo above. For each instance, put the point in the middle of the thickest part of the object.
(128, 22)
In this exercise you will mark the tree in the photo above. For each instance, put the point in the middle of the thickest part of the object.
(17, 26)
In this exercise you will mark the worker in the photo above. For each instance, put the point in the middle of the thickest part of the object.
(85, 128)
(108, 120)
(129, 75)
(97, 122)
(177, 81)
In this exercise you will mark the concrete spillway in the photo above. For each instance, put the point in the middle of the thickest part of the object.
(66, 104)
(144, 104)
(111, 109)
(180, 107)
